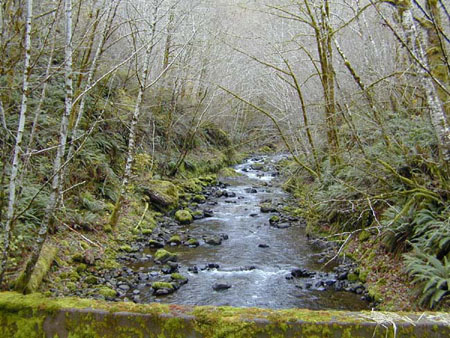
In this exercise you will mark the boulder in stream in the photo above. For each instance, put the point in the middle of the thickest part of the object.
(213, 240)
(162, 288)
(221, 286)
(301, 273)
(163, 256)
(184, 216)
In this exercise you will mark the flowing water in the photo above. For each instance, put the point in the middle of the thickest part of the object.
(257, 275)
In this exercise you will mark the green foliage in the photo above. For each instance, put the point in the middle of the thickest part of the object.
(432, 274)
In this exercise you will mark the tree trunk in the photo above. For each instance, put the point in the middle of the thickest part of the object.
(437, 113)
(57, 166)
(19, 136)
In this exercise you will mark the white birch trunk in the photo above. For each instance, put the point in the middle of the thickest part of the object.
(19, 136)
(43, 230)
(437, 113)
(134, 121)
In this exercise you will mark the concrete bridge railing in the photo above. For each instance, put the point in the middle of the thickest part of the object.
(37, 316)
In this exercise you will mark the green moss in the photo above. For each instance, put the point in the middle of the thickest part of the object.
(199, 198)
(364, 236)
(176, 239)
(184, 216)
(24, 316)
(163, 194)
(71, 286)
(107, 292)
(274, 219)
(352, 277)
(193, 242)
(91, 279)
(164, 256)
(147, 231)
(162, 285)
(46, 258)
(125, 248)
(81, 267)
(178, 277)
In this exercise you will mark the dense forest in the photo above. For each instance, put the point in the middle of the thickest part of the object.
(106, 103)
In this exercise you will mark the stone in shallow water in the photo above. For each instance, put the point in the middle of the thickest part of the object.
(263, 246)
(213, 240)
(221, 286)
(301, 273)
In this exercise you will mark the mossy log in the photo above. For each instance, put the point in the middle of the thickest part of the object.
(44, 263)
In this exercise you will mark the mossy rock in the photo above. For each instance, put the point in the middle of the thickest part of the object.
(126, 248)
(155, 244)
(162, 285)
(175, 240)
(164, 195)
(192, 186)
(352, 277)
(163, 256)
(107, 292)
(192, 242)
(91, 280)
(81, 267)
(184, 217)
(78, 258)
(274, 219)
(208, 180)
(176, 277)
(199, 198)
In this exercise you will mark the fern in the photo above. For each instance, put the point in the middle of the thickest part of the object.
(432, 274)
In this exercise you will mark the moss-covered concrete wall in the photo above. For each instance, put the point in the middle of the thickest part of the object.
(37, 316)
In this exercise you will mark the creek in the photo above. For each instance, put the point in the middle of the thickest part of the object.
(253, 266)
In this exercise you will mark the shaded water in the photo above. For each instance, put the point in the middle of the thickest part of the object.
(265, 284)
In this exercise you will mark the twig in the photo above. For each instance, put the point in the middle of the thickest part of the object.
(81, 235)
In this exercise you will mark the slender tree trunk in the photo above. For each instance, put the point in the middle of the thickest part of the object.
(132, 135)
(437, 53)
(17, 147)
(437, 113)
(45, 224)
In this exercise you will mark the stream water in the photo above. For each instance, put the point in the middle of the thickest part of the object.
(257, 275)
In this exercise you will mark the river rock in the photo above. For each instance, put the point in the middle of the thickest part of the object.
(192, 243)
(162, 288)
(213, 240)
(263, 246)
(157, 244)
(221, 286)
(175, 240)
(266, 208)
(250, 190)
(229, 194)
(283, 225)
(208, 213)
(163, 194)
(193, 269)
(301, 273)
(184, 216)
(163, 256)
